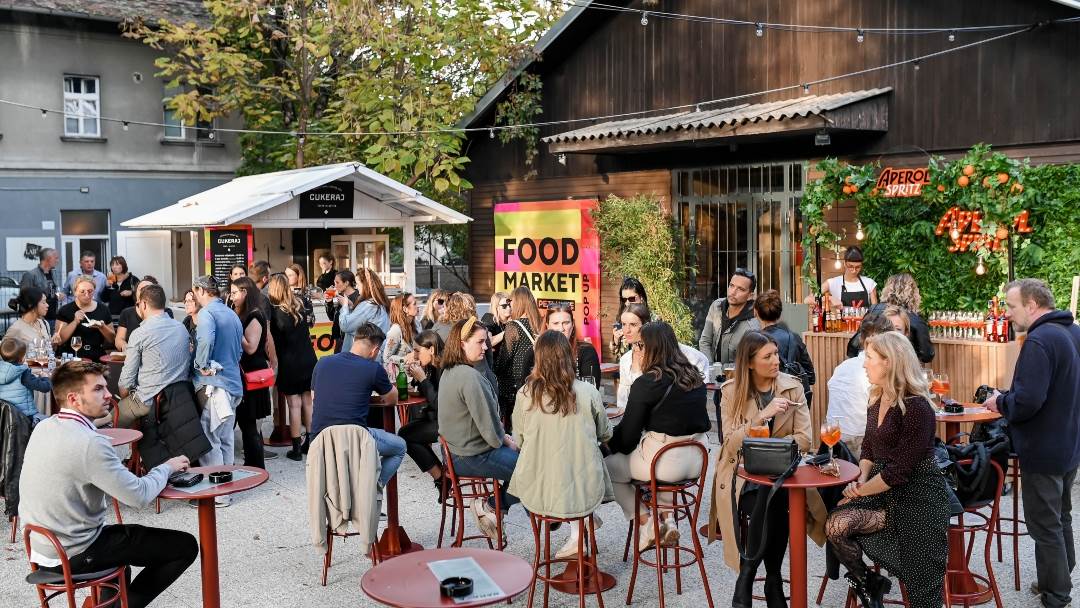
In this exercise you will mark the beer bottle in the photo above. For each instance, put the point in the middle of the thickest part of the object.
(402, 384)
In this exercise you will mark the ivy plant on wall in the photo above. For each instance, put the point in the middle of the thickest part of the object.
(913, 234)
(638, 240)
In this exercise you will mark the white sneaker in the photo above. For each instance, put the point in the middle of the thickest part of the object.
(485, 520)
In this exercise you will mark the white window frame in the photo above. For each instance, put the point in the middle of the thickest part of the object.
(165, 130)
(78, 104)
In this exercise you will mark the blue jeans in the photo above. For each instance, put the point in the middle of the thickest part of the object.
(391, 453)
(498, 463)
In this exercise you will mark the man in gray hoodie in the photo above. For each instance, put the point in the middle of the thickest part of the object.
(729, 319)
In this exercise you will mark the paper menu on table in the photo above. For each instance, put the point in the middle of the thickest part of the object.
(483, 586)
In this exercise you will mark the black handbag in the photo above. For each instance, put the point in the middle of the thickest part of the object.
(772, 456)
(769, 455)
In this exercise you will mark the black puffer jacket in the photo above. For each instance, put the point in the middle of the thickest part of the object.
(14, 435)
(172, 427)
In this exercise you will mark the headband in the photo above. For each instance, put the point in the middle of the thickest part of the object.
(466, 329)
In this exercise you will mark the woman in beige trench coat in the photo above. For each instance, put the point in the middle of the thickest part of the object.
(766, 394)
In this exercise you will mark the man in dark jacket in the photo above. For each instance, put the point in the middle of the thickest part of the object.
(1043, 410)
(42, 278)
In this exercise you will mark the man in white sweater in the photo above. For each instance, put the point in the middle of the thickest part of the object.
(70, 471)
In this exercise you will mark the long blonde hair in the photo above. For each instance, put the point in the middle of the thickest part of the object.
(904, 376)
(892, 310)
(430, 313)
(902, 290)
(282, 296)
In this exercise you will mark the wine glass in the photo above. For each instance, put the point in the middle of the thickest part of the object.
(76, 344)
(940, 385)
(830, 436)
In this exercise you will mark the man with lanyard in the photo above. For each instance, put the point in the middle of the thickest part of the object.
(70, 471)
(852, 290)
(728, 321)
(42, 278)
(86, 268)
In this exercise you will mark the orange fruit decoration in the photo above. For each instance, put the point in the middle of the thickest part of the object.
(1003, 178)
(940, 188)
(986, 182)
(969, 170)
(854, 188)
(1002, 233)
(963, 181)
(1018, 188)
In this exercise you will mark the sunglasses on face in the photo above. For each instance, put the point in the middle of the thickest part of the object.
(504, 305)
(440, 301)
(634, 299)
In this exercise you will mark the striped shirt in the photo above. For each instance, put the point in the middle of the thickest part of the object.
(158, 354)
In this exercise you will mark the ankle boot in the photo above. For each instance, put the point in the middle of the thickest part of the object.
(295, 453)
(307, 443)
(443, 492)
(774, 591)
(744, 585)
(876, 588)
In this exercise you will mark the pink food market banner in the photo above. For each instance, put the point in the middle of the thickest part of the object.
(552, 248)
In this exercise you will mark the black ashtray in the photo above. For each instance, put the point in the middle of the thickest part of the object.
(456, 586)
(952, 407)
(220, 477)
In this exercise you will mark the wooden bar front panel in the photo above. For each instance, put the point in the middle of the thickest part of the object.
(969, 364)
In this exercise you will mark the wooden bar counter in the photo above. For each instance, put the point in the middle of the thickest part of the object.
(969, 364)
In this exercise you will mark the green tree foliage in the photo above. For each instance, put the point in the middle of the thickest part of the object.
(399, 71)
(638, 240)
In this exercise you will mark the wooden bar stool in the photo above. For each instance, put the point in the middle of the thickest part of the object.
(585, 563)
(685, 505)
(988, 525)
(1014, 522)
(467, 488)
(51, 584)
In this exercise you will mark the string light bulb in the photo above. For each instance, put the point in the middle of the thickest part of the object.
(954, 234)
(860, 36)
(805, 89)
(916, 65)
(491, 133)
(210, 135)
(952, 36)
(859, 234)
(838, 264)
(44, 113)
(644, 18)
(759, 30)
(980, 269)
(125, 125)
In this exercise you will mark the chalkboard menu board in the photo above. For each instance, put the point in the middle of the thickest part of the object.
(227, 246)
(333, 200)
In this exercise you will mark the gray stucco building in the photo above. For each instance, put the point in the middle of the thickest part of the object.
(69, 181)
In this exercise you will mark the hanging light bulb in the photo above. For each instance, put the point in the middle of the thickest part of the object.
(759, 30)
(980, 269)
(644, 18)
(838, 264)
(806, 89)
(491, 133)
(125, 125)
(952, 36)
(210, 135)
(44, 113)
(859, 234)
(860, 36)
(916, 65)
(954, 234)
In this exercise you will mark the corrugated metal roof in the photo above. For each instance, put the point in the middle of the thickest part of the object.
(806, 105)
(176, 11)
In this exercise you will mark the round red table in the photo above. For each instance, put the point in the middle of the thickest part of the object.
(805, 477)
(211, 587)
(404, 405)
(962, 581)
(608, 368)
(119, 437)
(394, 540)
(406, 582)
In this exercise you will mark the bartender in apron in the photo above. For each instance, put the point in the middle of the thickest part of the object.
(852, 289)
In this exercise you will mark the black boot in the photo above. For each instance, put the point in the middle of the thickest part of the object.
(443, 491)
(295, 453)
(774, 590)
(744, 585)
(307, 443)
(870, 588)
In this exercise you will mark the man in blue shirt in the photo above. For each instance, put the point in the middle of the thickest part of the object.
(342, 385)
(217, 369)
(86, 267)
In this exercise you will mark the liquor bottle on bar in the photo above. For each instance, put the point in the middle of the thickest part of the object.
(1003, 328)
(816, 316)
(989, 334)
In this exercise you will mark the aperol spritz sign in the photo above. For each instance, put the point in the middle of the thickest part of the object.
(964, 229)
(902, 183)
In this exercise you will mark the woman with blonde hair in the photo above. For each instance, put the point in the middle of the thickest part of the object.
(898, 510)
(759, 395)
(514, 359)
(298, 282)
(459, 306)
(902, 290)
(559, 422)
(403, 327)
(296, 358)
(373, 307)
(497, 316)
(433, 309)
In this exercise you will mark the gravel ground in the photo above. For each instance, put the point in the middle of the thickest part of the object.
(267, 560)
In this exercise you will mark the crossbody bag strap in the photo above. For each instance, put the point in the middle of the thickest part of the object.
(528, 333)
(761, 507)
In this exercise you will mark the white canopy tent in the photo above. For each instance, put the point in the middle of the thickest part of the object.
(271, 201)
